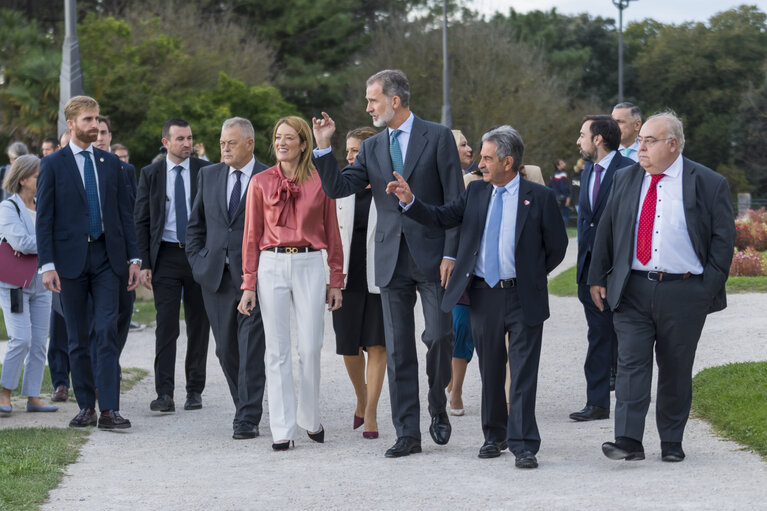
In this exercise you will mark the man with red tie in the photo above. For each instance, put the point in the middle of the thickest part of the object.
(661, 258)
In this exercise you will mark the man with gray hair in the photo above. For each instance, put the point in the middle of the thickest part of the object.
(408, 256)
(661, 275)
(504, 263)
(214, 250)
(629, 119)
(13, 151)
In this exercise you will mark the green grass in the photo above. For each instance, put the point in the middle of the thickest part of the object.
(131, 376)
(144, 312)
(564, 284)
(32, 462)
(733, 399)
(572, 232)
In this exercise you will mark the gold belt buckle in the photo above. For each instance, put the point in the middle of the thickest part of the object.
(291, 250)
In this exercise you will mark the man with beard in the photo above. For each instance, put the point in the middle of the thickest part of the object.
(598, 144)
(87, 249)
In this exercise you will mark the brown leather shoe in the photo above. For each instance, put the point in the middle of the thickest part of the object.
(86, 417)
(61, 394)
(113, 420)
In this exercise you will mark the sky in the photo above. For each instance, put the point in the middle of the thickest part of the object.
(665, 11)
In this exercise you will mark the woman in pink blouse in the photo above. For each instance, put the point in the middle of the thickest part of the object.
(288, 220)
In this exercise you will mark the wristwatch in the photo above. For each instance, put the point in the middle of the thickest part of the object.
(136, 261)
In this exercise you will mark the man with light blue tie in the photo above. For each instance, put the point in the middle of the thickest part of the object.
(86, 247)
(629, 119)
(511, 237)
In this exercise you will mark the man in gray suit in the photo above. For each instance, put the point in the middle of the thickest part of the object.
(661, 258)
(408, 255)
(214, 249)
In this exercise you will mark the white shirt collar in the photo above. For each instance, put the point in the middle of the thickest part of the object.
(511, 187)
(405, 127)
(247, 169)
(169, 165)
(674, 170)
(76, 148)
(605, 162)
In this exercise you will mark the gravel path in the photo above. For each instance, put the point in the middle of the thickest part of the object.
(188, 460)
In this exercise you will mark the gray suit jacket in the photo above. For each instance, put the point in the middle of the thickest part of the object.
(433, 171)
(709, 219)
(210, 236)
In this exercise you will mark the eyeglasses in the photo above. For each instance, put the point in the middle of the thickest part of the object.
(651, 141)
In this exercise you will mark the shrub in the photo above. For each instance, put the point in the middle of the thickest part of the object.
(751, 230)
(747, 263)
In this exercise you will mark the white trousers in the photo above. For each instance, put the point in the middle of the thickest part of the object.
(296, 280)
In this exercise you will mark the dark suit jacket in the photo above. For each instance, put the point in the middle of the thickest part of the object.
(540, 237)
(210, 236)
(433, 171)
(709, 219)
(588, 219)
(62, 213)
(150, 210)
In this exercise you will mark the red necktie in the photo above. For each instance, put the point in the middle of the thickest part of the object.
(647, 220)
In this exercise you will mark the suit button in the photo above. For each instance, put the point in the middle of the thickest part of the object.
(230, 229)
(467, 275)
(476, 252)
(340, 226)
(399, 234)
(591, 224)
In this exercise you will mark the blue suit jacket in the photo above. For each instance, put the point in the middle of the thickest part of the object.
(588, 218)
(62, 213)
(541, 241)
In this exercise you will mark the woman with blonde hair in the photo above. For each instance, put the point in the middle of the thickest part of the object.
(26, 310)
(288, 221)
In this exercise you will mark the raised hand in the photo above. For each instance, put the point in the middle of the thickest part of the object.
(400, 188)
(323, 130)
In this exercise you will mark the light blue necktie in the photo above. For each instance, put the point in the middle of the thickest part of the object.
(627, 152)
(396, 152)
(180, 203)
(92, 194)
(492, 240)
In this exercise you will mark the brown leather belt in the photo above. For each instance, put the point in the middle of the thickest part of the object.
(660, 276)
(479, 283)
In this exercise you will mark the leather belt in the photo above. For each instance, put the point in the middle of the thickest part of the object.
(479, 283)
(660, 276)
(291, 250)
(177, 244)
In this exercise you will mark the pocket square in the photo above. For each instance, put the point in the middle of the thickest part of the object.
(527, 203)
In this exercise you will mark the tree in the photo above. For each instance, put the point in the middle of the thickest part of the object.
(748, 137)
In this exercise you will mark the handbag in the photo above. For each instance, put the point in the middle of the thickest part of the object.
(18, 270)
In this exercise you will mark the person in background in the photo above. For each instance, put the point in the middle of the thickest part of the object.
(199, 151)
(629, 119)
(576, 184)
(121, 152)
(288, 221)
(558, 183)
(359, 323)
(50, 145)
(26, 321)
(13, 151)
(64, 138)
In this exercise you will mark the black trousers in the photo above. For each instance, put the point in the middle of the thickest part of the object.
(172, 280)
(494, 313)
(667, 317)
(601, 338)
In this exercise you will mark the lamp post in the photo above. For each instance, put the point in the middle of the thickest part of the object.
(447, 116)
(620, 4)
(71, 78)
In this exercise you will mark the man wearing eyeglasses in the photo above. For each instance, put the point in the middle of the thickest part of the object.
(661, 258)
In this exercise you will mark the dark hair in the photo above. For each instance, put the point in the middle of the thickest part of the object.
(393, 83)
(634, 110)
(51, 140)
(181, 123)
(105, 120)
(607, 127)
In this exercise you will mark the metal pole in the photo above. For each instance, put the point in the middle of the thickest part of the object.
(71, 78)
(620, 52)
(447, 116)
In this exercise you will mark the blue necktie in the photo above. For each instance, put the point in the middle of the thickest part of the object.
(492, 240)
(234, 199)
(627, 152)
(180, 203)
(396, 152)
(92, 194)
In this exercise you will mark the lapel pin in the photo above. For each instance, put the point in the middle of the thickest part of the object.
(527, 203)
(101, 160)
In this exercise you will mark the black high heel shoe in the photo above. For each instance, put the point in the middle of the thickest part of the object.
(319, 436)
(283, 446)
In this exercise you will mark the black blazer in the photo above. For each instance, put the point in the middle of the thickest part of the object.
(540, 236)
(62, 213)
(709, 219)
(433, 171)
(150, 211)
(588, 219)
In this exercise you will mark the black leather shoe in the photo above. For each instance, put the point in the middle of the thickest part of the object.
(591, 413)
(403, 446)
(671, 451)
(113, 420)
(193, 401)
(525, 459)
(623, 449)
(440, 428)
(319, 436)
(163, 403)
(492, 449)
(245, 431)
(61, 394)
(86, 417)
(283, 446)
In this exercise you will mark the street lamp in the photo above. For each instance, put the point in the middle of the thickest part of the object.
(447, 116)
(71, 78)
(620, 4)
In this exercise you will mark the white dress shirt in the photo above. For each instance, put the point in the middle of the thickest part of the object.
(169, 232)
(506, 244)
(81, 167)
(672, 250)
(404, 137)
(247, 171)
(604, 163)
